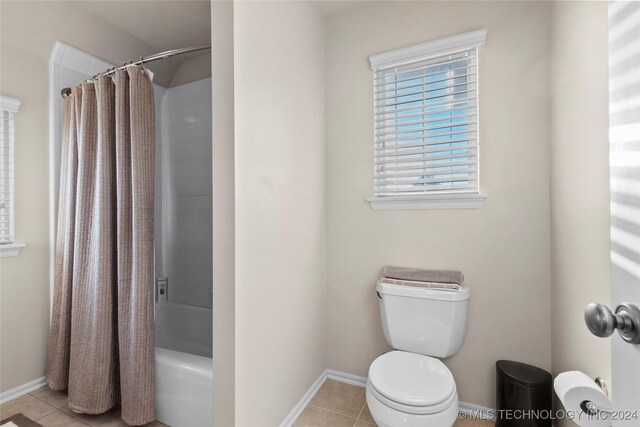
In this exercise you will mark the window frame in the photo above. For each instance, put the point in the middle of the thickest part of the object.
(10, 248)
(419, 53)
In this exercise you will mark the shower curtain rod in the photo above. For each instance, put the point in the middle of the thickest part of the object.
(155, 57)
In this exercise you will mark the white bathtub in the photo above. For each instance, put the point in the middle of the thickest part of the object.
(184, 367)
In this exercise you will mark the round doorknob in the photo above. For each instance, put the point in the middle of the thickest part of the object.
(602, 322)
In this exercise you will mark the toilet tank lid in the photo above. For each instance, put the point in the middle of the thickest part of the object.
(461, 294)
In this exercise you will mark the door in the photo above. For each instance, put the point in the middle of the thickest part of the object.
(624, 158)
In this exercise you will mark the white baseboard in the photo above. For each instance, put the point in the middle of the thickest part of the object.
(478, 411)
(343, 377)
(21, 390)
(297, 410)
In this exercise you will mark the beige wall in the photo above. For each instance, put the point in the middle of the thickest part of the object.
(292, 322)
(24, 56)
(503, 248)
(280, 207)
(223, 215)
(24, 280)
(580, 265)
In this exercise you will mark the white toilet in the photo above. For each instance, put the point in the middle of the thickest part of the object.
(410, 386)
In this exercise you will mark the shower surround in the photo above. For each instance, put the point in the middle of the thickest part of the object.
(183, 193)
(184, 365)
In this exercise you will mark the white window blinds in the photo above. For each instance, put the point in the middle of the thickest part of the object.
(426, 119)
(8, 109)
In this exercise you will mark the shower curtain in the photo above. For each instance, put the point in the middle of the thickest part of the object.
(101, 342)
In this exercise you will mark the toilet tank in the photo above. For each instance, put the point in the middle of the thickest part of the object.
(420, 320)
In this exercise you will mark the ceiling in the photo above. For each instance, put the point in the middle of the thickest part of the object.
(172, 24)
(163, 25)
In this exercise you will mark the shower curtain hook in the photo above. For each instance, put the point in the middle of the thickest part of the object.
(144, 68)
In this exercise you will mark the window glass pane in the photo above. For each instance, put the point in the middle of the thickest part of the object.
(426, 127)
(6, 176)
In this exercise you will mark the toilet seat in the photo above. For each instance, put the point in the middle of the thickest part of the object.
(412, 383)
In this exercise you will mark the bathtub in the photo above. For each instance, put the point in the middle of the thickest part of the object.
(184, 365)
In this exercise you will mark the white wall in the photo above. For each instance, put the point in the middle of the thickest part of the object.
(503, 248)
(280, 207)
(223, 266)
(185, 189)
(580, 267)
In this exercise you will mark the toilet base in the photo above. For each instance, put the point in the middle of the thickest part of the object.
(385, 416)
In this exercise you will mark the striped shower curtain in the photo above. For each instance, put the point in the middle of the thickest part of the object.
(101, 342)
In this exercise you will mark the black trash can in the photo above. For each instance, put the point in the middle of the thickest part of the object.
(524, 395)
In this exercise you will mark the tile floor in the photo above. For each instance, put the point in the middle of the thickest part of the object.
(335, 405)
(49, 408)
(343, 405)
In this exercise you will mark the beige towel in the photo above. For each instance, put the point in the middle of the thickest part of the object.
(432, 285)
(421, 275)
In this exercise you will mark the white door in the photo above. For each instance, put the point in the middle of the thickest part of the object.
(624, 158)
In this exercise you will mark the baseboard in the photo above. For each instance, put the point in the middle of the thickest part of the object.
(343, 377)
(21, 390)
(297, 410)
(477, 411)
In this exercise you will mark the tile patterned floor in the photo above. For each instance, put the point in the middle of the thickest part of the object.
(335, 405)
(343, 405)
(49, 408)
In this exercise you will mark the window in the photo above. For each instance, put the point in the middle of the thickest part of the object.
(8, 109)
(426, 147)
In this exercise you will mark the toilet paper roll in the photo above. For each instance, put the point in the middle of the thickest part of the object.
(573, 388)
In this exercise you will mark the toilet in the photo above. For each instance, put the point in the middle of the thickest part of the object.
(410, 386)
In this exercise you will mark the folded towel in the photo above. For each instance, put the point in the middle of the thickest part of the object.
(431, 285)
(419, 275)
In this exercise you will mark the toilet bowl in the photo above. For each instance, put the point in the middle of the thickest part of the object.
(410, 386)
(412, 390)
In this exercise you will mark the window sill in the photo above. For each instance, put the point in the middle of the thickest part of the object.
(11, 249)
(443, 201)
